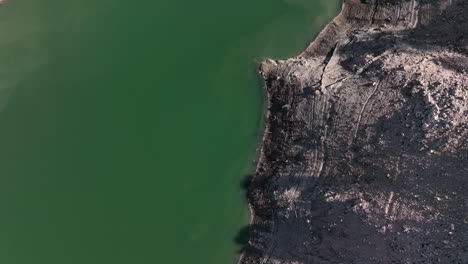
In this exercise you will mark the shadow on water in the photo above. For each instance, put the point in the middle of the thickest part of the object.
(245, 183)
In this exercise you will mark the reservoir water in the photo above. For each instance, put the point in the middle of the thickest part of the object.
(126, 127)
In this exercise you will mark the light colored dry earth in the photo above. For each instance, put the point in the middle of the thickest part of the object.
(365, 153)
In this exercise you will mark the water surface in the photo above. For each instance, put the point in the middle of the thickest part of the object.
(126, 127)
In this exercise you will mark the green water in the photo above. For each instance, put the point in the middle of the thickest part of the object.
(126, 127)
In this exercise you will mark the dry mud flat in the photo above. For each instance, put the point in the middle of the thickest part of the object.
(365, 153)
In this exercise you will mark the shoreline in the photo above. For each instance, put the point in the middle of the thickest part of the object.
(312, 173)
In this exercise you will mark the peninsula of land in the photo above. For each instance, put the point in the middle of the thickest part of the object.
(365, 151)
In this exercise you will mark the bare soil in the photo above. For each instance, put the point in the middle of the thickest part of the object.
(365, 152)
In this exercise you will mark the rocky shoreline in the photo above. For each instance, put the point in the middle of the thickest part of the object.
(365, 153)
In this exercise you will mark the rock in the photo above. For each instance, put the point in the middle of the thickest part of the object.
(375, 139)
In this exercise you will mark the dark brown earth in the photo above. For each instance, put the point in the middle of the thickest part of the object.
(365, 152)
